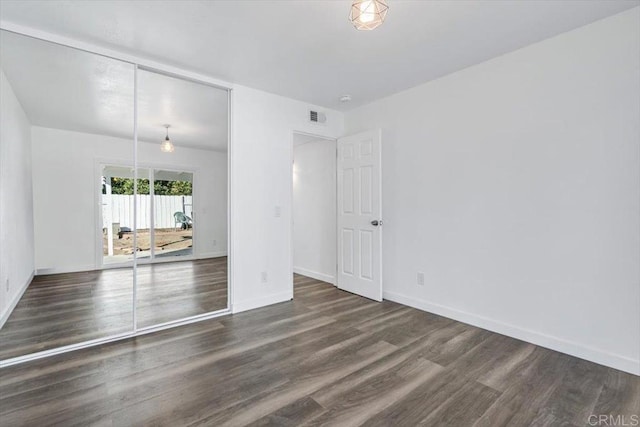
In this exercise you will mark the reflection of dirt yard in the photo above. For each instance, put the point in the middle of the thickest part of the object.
(167, 240)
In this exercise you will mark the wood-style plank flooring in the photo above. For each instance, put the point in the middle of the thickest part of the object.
(63, 309)
(326, 358)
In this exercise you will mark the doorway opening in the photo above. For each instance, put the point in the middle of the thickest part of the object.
(314, 209)
(337, 212)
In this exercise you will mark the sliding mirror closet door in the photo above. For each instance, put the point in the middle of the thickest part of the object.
(182, 199)
(65, 210)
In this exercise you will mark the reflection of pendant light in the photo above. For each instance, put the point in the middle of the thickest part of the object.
(166, 146)
(368, 14)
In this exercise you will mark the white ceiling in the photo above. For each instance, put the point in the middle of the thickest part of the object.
(64, 88)
(308, 50)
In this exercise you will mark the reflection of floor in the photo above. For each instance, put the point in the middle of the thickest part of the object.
(326, 358)
(176, 290)
(62, 309)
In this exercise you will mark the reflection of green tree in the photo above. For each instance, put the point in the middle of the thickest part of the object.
(161, 188)
(172, 188)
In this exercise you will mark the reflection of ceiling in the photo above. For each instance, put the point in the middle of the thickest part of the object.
(64, 88)
(197, 113)
(309, 50)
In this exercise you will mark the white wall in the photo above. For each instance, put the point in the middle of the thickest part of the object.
(65, 221)
(314, 209)
(514, 186)
(263, 126)
(16, 206)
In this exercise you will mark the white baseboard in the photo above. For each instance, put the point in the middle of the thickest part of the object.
(72, 269)
(238, 307)
(92, 267)
(554, 343)
(15, 300)
(315, 275)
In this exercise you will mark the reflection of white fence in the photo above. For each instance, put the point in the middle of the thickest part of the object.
(164, 208)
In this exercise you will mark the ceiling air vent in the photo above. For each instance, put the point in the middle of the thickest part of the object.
(316, 117)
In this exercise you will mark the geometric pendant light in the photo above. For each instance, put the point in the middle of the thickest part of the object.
(368, 14)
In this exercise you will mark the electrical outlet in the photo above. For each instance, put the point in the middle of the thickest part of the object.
(420, 279)
(6, 284)
(277, 211)
(215, 243)
(264, 277)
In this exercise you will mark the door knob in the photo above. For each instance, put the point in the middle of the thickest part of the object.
(376, 223)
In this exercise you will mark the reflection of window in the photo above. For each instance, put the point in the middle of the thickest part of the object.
(163, 219)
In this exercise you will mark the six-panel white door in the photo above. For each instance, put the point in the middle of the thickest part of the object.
(359, 214)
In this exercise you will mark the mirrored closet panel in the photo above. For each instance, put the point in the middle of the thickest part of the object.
(113, 217)
(182, 224)
(67, 150)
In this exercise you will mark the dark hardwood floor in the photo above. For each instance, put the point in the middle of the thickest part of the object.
(63, 309)
(326, 358)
